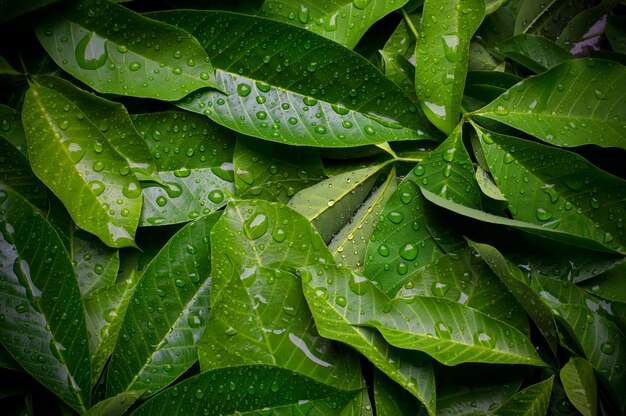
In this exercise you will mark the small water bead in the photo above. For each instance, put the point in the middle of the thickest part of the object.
(96, 187)
(406, 197)
(134, 66)
(419, 170)
(543, 215)
(261, 115)
(243, 90)
(443, 330)
(279, 235)
(346, 124)
(449, 154)
(177, 71)
(341, 301)
(484, 340)
(439, 289)
(409, 251)
(320, 129)
(383, 250)
(607, 348)
(131, 189)
(216, 196)
(402, 268)
(395, 217)
(256, 226)
(98, 166)
(369, 130)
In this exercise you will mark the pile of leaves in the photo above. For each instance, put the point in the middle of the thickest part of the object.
(312, 207)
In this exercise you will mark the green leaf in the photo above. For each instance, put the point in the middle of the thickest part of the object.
(532, 401)
(580, 385)
(342, 21)
(116, 405)
(448, 331)
(11, 129)
(401, 72)
(96, 265)
(402, 40)
(401, 242)
(249, 390)
(547, 186)
(609, 285)
(534, 52)
(46, 337)
(448, 172)
(554, 106)
(580, 27)
(115, 50)
(331, 203)
(441, 52)
(273, 171)
(348, 246)
(487, 185)
(16, 174)
(167, 313)
(547, 19)
(615, 33)
(326, 95)
(391, 399)
(194, 163)
(480, 59)
(12, 9)
(514, 280)
(64, 146)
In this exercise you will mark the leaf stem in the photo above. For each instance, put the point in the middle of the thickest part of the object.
(409, 23)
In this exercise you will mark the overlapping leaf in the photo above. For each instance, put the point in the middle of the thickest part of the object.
(534, 52)
(547, 19)
(532, 401)
(575, 103)
(46, 337)
(11, 129)
(580, 385)
(292, 86)
(16, 173)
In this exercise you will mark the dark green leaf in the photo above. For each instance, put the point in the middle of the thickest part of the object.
(534, 52)
(610, 285)
(326, 95)
(12, 8)
(11, 129)
(580, 385)
(581, 26)
(532, 401)
(442, 54)
(577, 102)
(15, 173)
(273, 171)
(45, 336)
(615, 33)
(194, 162)
(113, 406)
(480, 59)
(401, 72)
(547, 18)
(167, 313)
(342, 21)
(391, 399)
(487, 185)
(115, 50)
(547, 186)
(7, 361)
(402, 40)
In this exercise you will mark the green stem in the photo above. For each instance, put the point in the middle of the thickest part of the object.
(409, 23)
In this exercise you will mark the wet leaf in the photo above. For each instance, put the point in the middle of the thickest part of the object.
(580, 385)
(582, 26)
(96, 265)
(11, 129)
(609, 285)
(553, 106)
(547, 19)
(534, 52)
(15, 173)
(116, 405)
(401, 72)
(391, 399)
(402, 40)
(441, 54)
(487, 185)
(532, 401)
(35, 273)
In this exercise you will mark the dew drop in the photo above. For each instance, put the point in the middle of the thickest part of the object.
(255, 226)
(383, 250)
(341, 301)
(443, 330)
(194, 320)
(74, 152)
(408, 251)
(131, 189)
(607, 348)
(91, 52)
(395, 217)
(439, 289)
(216, 196)
(243, 90)
(134, 66)
(543, 215)
(96, 187)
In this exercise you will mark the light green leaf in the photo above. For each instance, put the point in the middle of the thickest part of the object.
(532, 401)
(16, 173)
(73, 158)
(251, 389)
(547, 186)
(325, 95)
(46, 337)
(487, 185)
(402, 40)
(11, 129)
(441, 52)
(114, 406)
(194, 162)
(580, 385)
(448, 331)
(331, 203)
(580, 27)
(554, 106)
(536, 53)
(115, 50)
(342, 21)
(166, 316)
(348, 246)
(273, 171)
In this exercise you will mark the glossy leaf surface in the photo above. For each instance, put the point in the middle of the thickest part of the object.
(581, 27)
(534, 52)
(11, 129)
(310, 101)
(447, 27)
(532, 401)
(115, 50)
(96, 265)
(16, 173)
(575, 103)
(33, 322)
(547, 19)
(580, 385)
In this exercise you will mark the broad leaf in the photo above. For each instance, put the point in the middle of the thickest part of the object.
(96, 265)
(446, 330)
(580, 385)
(194, 162)
(46, 337)
(116, 405)
(480, 59)
(249, 390)
(292, 86)
(401, 72)
(115, 50)
(441, 55)
(402, 40)
(348, 246)
(16, 174)
(532, 401)
(609, 285)
(547, 19)
(11, 129)
(487, 185)
(273, 171)
(166, 316)
(581, 27)
(534, 52)
(343, 21)
(575, 103)
(71, 155)
(546, 186)
(330, 203)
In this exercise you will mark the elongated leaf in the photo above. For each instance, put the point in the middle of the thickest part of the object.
(166, 315)
(248, 390)
(194, 163)
(343, 21)
(609, 285)
(582, 25)
(448, 331)
(577, 102)
(532, 401)
(615, 33)
(11, 129)
(448, 172)
(580, 385)
(402, 40)
(487, 185)
(292, 86)
(547, 18)
(96, 265)
(441, 54)
(272, 171)
(330, 203)
(72, 157)
(534, 52)
(115, 50)
(391, 399)
(514, 280)
(16, 173)
(401, 72)
(46, 337)
(114, 405)
(480, 59)
(348, 246)
(6, 68)
(401, 242)
(551, 191)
